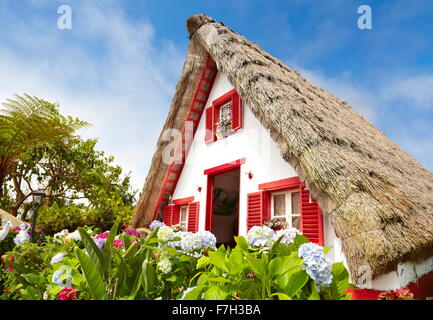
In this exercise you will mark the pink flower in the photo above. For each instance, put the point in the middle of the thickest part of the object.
(251, 275)
(118, 243)
(38, 230)
(404, 294)
(68, 293)
(103, 235)
(132, 232)
(16, 229)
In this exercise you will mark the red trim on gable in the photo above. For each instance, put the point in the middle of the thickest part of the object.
(225, 167)
(195, 112)
(227, 97)
(290, 183)
(183, 201)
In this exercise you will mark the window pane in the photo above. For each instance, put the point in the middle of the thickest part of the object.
(183, 214)
(279, 205)
(295, 222)
(295, 203)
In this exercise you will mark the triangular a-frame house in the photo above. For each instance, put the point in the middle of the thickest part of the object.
(248, 139)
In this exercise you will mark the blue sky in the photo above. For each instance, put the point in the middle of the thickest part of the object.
(118, 66)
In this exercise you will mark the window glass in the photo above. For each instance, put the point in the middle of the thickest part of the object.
(184, 217)
(279, 205)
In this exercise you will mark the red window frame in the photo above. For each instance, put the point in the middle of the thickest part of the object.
(213, 113)
(175, 208)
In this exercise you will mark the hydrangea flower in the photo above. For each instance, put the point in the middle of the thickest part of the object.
(316, 264)
(288, 235)
(208, 239)
(100, 242)
(73, 236)
(58, 258)
(132, 232)
(103, 235)
(260, 236)
(68, 293)
(62, 234)
(118, 243)
(56, 277)
(164, 265)
(176, 244)
(156, 223)
(191, 242)
(165, 234)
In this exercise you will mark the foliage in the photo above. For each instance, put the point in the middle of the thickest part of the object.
(24, 123)
(165, 265)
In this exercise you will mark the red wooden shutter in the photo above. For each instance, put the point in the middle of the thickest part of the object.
(236, 112)
(193, 212)
(255, 209)
(175, 215)
(311, 218)
(168, 215)
(209, 136)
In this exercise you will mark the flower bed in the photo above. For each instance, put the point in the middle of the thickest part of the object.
(171, 264)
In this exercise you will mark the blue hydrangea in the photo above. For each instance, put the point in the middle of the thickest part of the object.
(56, 277)
(260, 236)
(58, 258)
(208, 239)
(316, 264)
(174, 243)
(190, 242)
(99, 243)
(156, 223)
(288, 235)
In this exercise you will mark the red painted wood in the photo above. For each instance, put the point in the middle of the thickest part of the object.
(175, 215)
(225, 167)
(311, 218)
(423, 287)
(290, 183)
(193, 213)
(192, 116)
(226, 97)
(168, 215)
(364, 294)
(236, 112)
(210, 131)
(183, 201)
(255, 209)
(209, 202)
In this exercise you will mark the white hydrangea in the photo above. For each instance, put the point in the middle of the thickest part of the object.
(73, 236)
(288, 235)
(165, 233)
(62, 234)
(58, 258)
(191, 242)
(164, 265)
(260, 236)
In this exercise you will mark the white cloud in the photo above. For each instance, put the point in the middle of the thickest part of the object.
(417, 90)
(107, 70)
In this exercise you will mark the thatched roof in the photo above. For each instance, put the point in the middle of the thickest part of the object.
(378, 198)
(7, 216)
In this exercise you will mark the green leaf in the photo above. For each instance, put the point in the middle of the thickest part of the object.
(297, 280)
(148, 276)
(215, 293)
(242, 243)
(95, 255)
(194, 294)
(18, 267)
(218, 259)
(258, 266)
(340, 280)
(93, 278)
(202, 262)
(108, 247)
(282, 296)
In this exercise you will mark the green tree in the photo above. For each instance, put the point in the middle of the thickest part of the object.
(26, 122)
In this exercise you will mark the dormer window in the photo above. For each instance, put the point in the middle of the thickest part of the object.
(224, 117)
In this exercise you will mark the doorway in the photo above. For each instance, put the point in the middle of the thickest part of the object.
(223, 206)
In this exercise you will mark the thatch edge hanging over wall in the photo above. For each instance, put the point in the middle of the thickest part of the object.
(378, 198)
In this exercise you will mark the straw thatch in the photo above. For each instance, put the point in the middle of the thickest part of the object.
(7, 216)
(378, 198)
